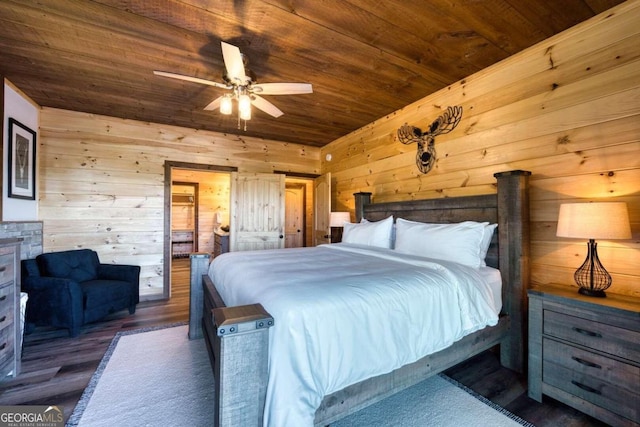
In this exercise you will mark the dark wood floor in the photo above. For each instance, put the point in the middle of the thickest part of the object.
(56, 368)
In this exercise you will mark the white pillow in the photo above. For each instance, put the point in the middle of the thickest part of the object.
(462, 242)
(376, 233)
(486, 241)
(392, 238)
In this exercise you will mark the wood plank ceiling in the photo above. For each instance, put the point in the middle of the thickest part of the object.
(364, 58)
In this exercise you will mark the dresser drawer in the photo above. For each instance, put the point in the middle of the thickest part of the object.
(7, 296)
(596, 335)
(182, 236)
(6, 268)
(6, 344)
(6, 313)
(596, 379)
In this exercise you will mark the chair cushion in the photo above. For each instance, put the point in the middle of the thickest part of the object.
(102, 297)
(79, 265)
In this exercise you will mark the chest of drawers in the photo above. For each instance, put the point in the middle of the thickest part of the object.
(585, 352)
(10, 348)
(182, 243)
(220, 243)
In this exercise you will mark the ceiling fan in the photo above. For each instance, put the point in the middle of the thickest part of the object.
(242, 85)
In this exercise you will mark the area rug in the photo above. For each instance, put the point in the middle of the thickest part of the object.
(160, 378)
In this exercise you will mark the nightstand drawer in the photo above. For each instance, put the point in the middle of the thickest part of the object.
(6, 268)
(586, 363)
(599, 386)
(596, 335)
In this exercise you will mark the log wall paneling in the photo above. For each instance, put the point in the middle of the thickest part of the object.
(101, 182)
(565, 109)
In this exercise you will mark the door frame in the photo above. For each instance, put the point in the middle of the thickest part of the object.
(166, 256)
(310, 177)
(303, 187)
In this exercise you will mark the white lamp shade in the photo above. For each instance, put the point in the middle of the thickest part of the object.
(339, 218)
(602, 220)
(244, 107)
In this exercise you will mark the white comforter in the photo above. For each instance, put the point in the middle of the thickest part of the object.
(344, 313)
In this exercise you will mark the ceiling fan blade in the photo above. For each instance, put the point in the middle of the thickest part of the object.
(266, 106)
(281, 88)
(234, 64)
(191, 79)
(215, 104)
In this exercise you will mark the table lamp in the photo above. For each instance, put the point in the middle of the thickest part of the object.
(337, 220)
(602, 220)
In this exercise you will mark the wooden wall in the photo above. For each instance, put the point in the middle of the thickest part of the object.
(101, 181)
(567, 109)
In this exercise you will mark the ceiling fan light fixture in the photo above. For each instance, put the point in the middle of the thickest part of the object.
(242, 83)
(226, 106)
(244, 107)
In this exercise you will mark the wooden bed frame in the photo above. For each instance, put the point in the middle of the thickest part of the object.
(238, 337)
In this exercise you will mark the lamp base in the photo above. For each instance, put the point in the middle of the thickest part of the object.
(592, 293)
(591, 277)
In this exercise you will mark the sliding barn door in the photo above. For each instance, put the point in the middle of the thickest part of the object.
(322, 209)
(257, 211)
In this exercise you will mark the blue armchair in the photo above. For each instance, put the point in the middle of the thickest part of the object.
(71, 288)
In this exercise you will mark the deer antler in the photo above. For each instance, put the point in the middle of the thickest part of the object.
(409, 134)
(446, 122)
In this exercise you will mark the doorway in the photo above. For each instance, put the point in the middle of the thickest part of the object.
(214, 206)
(184, 218)
(212, 202)
(295, 215)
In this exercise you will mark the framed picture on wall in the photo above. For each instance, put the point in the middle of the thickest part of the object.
(22, 161)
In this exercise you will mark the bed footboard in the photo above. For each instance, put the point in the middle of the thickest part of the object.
(237, 340)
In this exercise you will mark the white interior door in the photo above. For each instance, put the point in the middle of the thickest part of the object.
(322, 209)
(257, 211)
(294, 215)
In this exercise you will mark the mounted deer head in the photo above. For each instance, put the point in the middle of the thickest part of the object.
(426, 158)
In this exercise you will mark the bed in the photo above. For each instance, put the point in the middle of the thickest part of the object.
(238, 336)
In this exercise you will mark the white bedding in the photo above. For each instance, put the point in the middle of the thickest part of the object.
(344, 313)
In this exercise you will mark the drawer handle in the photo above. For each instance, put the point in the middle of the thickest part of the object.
(588, 333)
(585, 387)
(3, 268)
(3, 318)
(3, 297)
(586, 362)
(3, 346)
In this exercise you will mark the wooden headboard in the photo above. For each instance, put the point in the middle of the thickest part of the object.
(446, 210)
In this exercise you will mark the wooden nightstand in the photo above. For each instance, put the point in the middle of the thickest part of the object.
(220, 243)
(585, 352)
